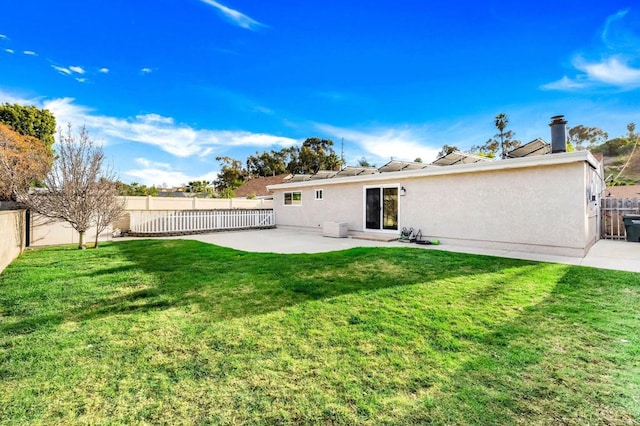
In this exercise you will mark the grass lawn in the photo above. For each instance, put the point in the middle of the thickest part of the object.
(181, 332)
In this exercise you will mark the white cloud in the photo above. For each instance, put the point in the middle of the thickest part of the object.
(235, 17)
(614, 71)
(615, 58)
(9, 50)
(385, 143)
(103, 70)
(30, 53)
(77, 70)
(565, 83)
(146, 70)
(156, 173)
(81, 80)
(153, 129)
(61, 70)
(2, 36)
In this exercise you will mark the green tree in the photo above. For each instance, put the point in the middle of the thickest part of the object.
(30, 121)
(502, 141)
(362, 162)
(580, 135)
(136, 190)
(314, 154)
(446, 150)
(231, 176)
(268, 163)
(199, 187)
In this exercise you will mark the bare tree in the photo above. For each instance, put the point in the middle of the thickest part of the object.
(109, 206)
(78, 186)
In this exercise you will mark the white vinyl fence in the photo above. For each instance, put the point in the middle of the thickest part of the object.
(195, 221)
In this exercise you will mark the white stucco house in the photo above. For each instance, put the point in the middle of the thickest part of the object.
(542, 202)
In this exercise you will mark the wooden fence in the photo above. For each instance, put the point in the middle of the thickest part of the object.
(198, 221)
(613, 209)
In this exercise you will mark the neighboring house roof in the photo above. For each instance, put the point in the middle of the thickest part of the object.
(258, 186)
(629, 191)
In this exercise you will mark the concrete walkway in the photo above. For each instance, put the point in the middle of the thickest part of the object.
(606, 254)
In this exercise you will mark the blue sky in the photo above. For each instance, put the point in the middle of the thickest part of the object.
(168, 85)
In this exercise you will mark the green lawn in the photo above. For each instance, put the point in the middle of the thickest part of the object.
(181, 332)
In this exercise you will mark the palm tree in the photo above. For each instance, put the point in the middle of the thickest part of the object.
(501, 122)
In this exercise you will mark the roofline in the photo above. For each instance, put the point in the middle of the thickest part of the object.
(483, 166)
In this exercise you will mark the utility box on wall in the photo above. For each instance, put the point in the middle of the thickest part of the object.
(335, 229)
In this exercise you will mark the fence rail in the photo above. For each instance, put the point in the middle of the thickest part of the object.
(613, 209)
(198, 221)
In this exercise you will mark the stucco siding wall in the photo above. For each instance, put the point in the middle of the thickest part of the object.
(340, 203)
(44, 232)
(536, 206)
(12, 236)
(541, 209)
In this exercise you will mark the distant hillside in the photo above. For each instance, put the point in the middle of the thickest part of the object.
(616, 153)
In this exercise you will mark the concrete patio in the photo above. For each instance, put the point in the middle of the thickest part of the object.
(607, 254)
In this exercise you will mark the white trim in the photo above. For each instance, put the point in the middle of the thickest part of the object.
(364, 208)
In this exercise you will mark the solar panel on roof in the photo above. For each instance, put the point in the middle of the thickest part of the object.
(323, 174)
(356, 171)
(457, 157)
(535, 147)
(396, 166)
(299, 178)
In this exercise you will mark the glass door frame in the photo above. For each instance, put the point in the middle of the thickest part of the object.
(381, 188)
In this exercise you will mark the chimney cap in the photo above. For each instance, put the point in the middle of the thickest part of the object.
(558, 119)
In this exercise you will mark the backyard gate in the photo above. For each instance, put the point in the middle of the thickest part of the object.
(612, 211)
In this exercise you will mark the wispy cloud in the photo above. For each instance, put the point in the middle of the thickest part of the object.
(613, 63)
(77, 70)
(566, 84)
(146, 70)
(81, 79)
(163, 132)
(237, 18)
(9, 51)
(3, 37)
(30, 53)
(61, 70)
(615, 71)
(103, 70)
(161, 174)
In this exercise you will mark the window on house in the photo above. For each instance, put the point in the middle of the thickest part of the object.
(293, 198)
(319, 194)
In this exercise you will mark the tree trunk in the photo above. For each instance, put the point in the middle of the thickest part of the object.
(97, 237)
(80, 240)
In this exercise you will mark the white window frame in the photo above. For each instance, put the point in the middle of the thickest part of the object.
(293, 203)
(319, 194)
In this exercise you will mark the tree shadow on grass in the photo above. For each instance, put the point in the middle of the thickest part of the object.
(224, 283)
(228, 284)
